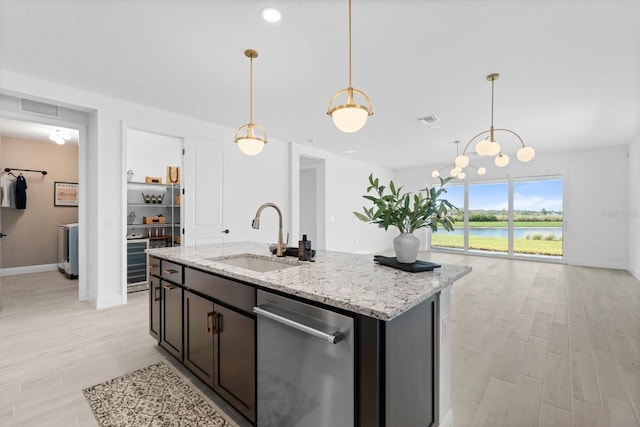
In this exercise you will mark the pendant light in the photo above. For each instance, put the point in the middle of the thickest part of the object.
(489, 146)
(350, 117)
(251, 137)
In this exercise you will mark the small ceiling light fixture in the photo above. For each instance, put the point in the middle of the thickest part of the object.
(59, 137)
(350, 117)
(489, 146)
(271, 14)
(457, 170)
(250, 143)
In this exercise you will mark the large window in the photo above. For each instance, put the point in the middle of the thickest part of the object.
(452, 239)
(521, 217)
(537, 222)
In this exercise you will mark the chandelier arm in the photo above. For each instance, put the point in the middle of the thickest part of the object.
(464, 152)
(512, 132)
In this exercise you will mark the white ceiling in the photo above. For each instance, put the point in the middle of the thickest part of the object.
(570, 70)
(33, 131)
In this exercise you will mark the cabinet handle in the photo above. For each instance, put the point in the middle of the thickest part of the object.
(210, 323)
(156, 293)
(154, 265)
(218, 322)
(169, 287)
(171, 271)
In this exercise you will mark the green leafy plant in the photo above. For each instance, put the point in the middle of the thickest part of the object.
(407, 211)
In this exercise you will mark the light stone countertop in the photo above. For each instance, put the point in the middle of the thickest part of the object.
(349, 281)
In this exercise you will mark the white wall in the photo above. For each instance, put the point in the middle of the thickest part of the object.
(633, 212)
(248, 181)
(596, 191)
(346, 182)
(149, 154)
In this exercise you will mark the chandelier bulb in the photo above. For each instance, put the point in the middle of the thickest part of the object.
(501, 160)
(526, 154)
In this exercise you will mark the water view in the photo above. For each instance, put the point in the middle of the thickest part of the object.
(518, 232)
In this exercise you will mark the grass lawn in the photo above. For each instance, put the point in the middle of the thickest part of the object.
(497, 244)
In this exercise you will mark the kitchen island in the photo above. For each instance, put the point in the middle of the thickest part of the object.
(400, 350)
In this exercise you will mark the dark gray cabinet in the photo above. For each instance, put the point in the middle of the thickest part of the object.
(234, 360)
(206, 322)
(219, 347)
(154, 307)
(171, 325)
(199, 330)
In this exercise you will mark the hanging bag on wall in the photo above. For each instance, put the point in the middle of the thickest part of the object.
(173, 174)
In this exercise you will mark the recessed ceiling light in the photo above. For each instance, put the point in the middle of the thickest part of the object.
(349, 151)
(270, 14)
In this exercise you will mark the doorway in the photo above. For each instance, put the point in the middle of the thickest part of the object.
(31, 244)
(312, 200)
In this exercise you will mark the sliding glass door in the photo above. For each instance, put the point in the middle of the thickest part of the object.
(515, 217)
(452, 239)
(537, 223)
(488, 217)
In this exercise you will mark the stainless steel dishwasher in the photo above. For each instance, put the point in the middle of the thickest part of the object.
(305, 365)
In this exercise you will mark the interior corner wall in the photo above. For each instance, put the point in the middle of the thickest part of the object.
(633, 213)
(32, 234)
(596, 197)
(346, 183)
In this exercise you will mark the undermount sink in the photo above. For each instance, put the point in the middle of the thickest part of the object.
(254, 263)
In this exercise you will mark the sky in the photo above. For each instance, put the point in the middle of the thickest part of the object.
(527, 195)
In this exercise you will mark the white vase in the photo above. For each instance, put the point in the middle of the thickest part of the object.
(406, 246)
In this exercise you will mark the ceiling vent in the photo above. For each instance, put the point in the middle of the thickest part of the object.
(429, 120)
(29, 106)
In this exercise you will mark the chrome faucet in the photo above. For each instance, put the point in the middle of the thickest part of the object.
(280, 247)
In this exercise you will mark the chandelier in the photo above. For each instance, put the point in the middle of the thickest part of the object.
(489, 146)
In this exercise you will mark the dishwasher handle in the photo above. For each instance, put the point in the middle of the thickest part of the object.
(332, 338)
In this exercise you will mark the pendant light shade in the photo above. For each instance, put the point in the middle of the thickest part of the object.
(251, 137)
(351, 116)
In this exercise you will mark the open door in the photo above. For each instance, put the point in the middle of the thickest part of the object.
(202, 193)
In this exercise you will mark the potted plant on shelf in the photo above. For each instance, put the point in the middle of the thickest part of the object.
(407, 212)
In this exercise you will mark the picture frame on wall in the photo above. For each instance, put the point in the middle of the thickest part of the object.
(65, 194)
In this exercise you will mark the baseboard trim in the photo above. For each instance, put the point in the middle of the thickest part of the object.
(447, 421)
(106, 302)
(13, 271)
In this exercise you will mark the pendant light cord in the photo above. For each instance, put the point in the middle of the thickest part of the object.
(349, 43)
(251, 90)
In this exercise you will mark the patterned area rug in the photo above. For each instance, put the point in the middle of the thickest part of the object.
(151, 396)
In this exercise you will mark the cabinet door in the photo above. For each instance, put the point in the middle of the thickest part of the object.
(199, 330)
(171, 325)
(154, 307)
(234, 358)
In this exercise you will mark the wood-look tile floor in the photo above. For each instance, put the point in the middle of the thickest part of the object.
(52, 346)
(543, 344)
(533, 344)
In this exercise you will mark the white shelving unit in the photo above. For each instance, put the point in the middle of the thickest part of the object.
(153, 235)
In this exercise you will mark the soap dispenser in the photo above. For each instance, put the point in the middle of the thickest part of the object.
(304, 249)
